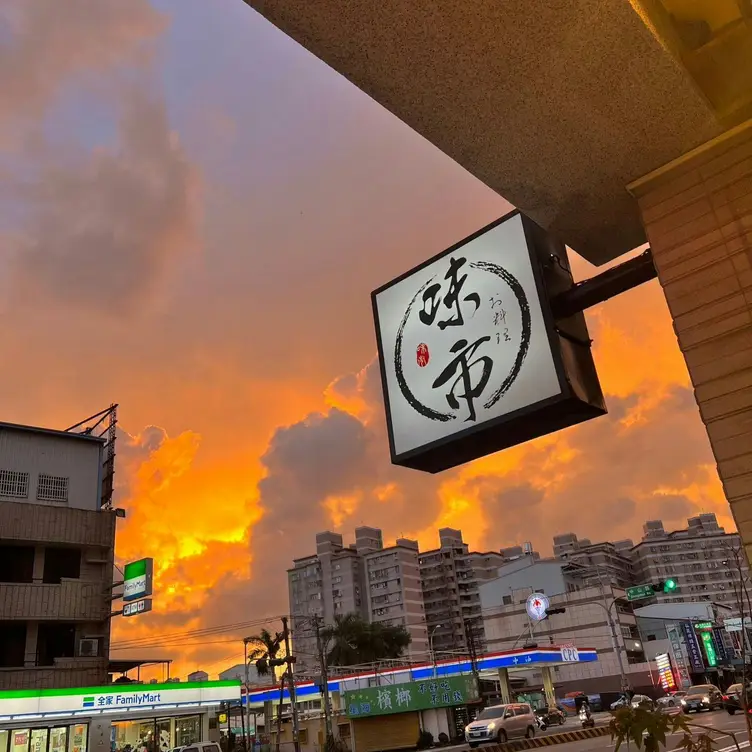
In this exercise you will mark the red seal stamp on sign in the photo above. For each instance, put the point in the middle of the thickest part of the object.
(422, 355)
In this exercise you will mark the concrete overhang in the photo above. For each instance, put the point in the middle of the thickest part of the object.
(556, 105)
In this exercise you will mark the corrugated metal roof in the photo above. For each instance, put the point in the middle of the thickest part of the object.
(50, 432)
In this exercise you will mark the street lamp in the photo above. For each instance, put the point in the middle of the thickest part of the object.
(430, 647)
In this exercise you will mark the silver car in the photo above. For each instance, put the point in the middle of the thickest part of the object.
(501, 722)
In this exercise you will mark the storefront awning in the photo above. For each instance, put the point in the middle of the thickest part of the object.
(513, 660)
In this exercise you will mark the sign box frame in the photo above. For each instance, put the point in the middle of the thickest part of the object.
(580, 396)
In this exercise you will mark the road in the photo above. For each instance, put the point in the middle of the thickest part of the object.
(718, 720)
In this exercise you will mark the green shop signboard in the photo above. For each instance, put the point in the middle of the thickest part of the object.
(403, 698)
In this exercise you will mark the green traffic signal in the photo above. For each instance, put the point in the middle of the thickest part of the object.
(669, 586)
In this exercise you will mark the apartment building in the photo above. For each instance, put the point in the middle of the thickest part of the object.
(700, 558)
(610, 562)
(395, 595)
(56, 559)
(330, 582)
(451, 575)
(584, 622)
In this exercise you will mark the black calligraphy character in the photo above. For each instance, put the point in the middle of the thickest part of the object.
(462, 363)
(494, 302)
(452, 298)
(430, 299)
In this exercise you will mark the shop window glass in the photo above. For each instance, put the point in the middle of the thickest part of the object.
(19, 741)
(4, 739)
(78, 737)
(164, 734)
(187, 730)
(39, 740)
(58, 739)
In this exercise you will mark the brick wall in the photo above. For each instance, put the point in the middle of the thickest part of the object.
(698, 217)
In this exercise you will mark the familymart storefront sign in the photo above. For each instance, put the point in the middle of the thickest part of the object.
(54, 703)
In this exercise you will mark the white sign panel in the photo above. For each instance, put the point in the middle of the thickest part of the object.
(464, 340)
(537, 605)
(135, 608)
(109, 700)
(570, 655)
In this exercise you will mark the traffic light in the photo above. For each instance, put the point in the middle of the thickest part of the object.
(666, 586)
(551, 611)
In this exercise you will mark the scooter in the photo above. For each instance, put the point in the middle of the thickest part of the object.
(542, 725)
(586, 719)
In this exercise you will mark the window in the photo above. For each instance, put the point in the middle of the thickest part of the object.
(12, 644)
(61, 563)
(52, 488)
(506, 600)
(16, 563)
(14, 485)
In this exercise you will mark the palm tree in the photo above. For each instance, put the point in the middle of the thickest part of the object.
(265, 648)
(351, 641)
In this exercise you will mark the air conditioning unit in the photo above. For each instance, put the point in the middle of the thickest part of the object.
(88, 648)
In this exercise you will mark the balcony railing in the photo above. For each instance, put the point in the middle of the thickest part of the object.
(74, 600)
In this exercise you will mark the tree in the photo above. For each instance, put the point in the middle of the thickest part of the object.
(351, 641)
(264, 648)
(648, 730)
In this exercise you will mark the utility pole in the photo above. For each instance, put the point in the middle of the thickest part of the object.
(324, 681)
(291, 685)
(246, 710)
(470, 637)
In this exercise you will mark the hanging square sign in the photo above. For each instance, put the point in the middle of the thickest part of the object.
(471, 358)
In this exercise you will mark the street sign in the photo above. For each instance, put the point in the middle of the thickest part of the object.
(137, 607)
(640, 591)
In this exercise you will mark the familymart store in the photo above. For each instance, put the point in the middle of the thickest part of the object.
(115, 718)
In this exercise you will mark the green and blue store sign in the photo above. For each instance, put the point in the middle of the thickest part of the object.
(437, 692)
(41, 703)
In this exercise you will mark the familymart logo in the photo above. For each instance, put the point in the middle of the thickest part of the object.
(134, 698)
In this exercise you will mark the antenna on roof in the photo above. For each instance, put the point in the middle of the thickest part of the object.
(108, 419)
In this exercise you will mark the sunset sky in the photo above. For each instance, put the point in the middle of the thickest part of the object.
(193, 214)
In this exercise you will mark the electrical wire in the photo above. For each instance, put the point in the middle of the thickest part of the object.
(163, 639)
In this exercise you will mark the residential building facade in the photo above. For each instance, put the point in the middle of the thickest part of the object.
(330, 582)
(700, 558)
(450, 576)
(56, 560)
(394, 591)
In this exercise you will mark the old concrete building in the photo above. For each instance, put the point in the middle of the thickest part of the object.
(450, 576)
(56, 559)
(395, 595)
(699, 557)
(585, 622)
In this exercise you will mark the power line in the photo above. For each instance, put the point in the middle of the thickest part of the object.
(203, 632)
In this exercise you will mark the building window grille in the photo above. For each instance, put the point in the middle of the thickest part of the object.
(14, 485)
(52, 488)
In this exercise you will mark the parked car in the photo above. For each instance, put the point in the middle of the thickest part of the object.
(501, 722)
(642, 701)
(552, 716)
(732, 698)
(702, 697)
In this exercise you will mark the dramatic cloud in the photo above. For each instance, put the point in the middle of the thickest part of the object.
(250, 402)
(43, 50)
(102, 231)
